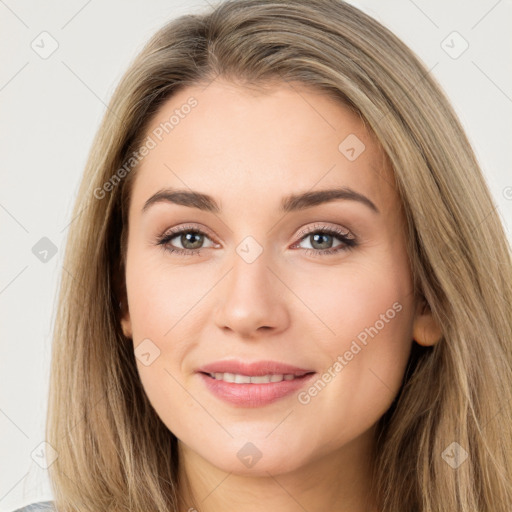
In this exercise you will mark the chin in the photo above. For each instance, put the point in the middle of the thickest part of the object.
(258, 457)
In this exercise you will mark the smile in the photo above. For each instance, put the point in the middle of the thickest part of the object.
(253, 390)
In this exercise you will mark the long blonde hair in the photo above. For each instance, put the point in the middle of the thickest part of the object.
(114, 453)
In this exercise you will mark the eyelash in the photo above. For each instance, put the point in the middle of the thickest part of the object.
(348, 242)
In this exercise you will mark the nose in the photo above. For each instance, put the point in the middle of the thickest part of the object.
(251, 299)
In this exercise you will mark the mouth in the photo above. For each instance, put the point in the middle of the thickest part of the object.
(252, 385)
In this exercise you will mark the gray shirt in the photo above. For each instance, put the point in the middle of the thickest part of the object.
(40, 506)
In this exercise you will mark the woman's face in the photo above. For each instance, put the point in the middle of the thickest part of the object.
(269, 267)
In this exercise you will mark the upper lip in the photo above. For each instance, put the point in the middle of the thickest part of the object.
(253, 369)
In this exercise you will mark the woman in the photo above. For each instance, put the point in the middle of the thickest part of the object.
(205, 359)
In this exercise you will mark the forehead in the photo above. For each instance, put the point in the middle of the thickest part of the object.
(244, 144)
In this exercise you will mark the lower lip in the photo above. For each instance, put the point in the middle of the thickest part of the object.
(253, 395)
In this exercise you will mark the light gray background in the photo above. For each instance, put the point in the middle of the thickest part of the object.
(52, 107)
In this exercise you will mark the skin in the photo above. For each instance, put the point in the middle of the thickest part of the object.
(248, 149)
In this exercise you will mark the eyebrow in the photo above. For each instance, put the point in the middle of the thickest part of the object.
(291, 203)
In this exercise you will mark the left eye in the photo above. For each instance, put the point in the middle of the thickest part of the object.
(323, 239)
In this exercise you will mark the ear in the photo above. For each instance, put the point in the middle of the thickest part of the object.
(426, 330)
(126, 322)
(120, 292)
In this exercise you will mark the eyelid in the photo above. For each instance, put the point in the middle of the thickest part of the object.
(324, 227)
(176, 230)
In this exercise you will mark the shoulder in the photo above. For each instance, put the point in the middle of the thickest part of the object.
(40, 506)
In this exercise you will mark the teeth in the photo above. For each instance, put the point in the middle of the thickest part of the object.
(242, 379)
(246, 379)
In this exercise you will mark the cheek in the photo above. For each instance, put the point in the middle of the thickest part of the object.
(368, 311)
(167, 314)
(162, 296)
(162, 300)
(351, 301)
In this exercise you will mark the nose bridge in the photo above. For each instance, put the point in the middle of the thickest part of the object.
(250, 297)
(250, 273)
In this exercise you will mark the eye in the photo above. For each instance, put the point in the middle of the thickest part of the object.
(321, 239)
(190, 238)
